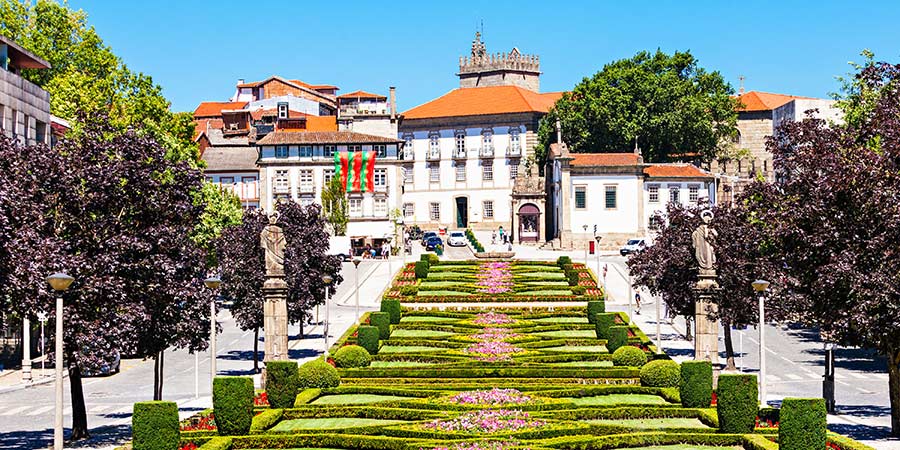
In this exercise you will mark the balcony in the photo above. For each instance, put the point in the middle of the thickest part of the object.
(408, 155)
(307, 189)
(433, 155)
(381, 187)
(459, 154)
(486, 151)
(514, 151)
(281, 188)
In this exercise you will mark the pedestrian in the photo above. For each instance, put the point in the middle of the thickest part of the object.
(386, 250)
(502, 235)
(494, 237)
(637, 302)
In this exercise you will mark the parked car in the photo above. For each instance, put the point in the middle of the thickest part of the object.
(633, 245)
(339, 246)
(428, 234)
(433, 242)
(457, 239)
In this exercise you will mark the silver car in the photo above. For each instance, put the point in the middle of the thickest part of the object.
(457, 239)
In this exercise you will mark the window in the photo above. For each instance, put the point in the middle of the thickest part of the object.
(693, 193)
(434, 172)
(580, 197)
(409, 209)
(226, 182)
(653, 193)
(282, 182)
(434, 211)
(381, 208)
(329, 151)
(514, 145)
(306, 181)
(460, 142)
(460, 172)
(306, 151)
(282, 110)
(248, 184)
(408, 174)
(354, 148)
(328, 174)
(380, 177)
(487, 171)
(610, 197)
(281, 151)
(434, 145)
(513, 169)
(380, 150)
(306, 201)
(674, 193)
(487, 140)
(408, 146)
(355, 205)
(488, 206)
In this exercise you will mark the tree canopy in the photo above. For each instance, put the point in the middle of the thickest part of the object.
(665, 104)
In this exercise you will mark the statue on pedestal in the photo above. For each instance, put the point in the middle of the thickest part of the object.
(272, 240)
(706, 330)
(275, 317)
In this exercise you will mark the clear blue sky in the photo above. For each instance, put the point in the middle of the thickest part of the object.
(198, 49)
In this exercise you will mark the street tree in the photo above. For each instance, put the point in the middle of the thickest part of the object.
(667, 105)
(334, 206)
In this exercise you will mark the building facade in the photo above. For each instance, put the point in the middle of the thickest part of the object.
(24, 107)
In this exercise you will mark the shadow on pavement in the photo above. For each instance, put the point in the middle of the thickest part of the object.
(864, 432)
(106, 436)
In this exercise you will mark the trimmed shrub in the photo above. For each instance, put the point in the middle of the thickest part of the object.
(318, 374)
(392, 307)
(431, 258)
(696, 384)
(737, 403)
(629, 356)
(409, 289)
(618, 337)
(282, 381)
(602, 324)
(422, 269)
(350, 356)
(572, 276)
(367, 337)
(266, 419)
(217, 443)
(154, 426)
(578, 290)
(233, 405)
(661, 373)
(563, 260)
(382, 320)
(593, 308)
(803, 424)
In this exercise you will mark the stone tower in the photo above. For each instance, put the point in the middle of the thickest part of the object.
(499, 69)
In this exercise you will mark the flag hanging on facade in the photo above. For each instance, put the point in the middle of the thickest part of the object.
(356, 169)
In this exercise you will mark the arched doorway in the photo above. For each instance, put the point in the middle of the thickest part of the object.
(529, 223)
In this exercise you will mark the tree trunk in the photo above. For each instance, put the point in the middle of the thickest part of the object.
(687, 329)
(256, 350)
(79, 414)
(158, 364)
(301, 328)
(893, 359)
(729, 347)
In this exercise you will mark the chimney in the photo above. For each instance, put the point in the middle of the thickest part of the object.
(558, 131)
(393, 98)
(240, 81)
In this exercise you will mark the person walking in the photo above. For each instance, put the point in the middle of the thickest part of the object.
(637, 303)
(502, 235)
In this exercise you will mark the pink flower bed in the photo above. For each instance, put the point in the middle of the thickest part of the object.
(492, 318)
(494, 278)
(495, 334)
(478, 446)
(487, 421)
(492, 351)
(493, 397)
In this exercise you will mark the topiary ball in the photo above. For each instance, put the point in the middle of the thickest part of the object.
(351, 356)
(318, 374)
(661, 373)
(629, 356)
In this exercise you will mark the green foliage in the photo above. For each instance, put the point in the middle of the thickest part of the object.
(334, 206)
(155, 426)
(562, 261)
(737, 403)
(661, 373)
(618, 336)
(382, 320)
(264, 420)
(318, 374)
(629, 356)
(572, 277)
(222, 208)
(602, 323)
(803, 424)
(593, 308)
(233, 405)
(392, 307)
(432, 259)
(422, 269)
(409, 289)
(578, 290)
(367, 337)
(217, 443)
(282, 381)
(351, 356)
(696, 384)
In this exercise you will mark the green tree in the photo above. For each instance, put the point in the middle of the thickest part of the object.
(222, 209)
(665, 104)
(334, 206)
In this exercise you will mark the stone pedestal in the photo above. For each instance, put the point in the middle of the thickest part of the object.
(275, 319)
(706, 330)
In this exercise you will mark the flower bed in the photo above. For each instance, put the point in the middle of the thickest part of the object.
(492, 318)
(493, 397)
(494, 278)
(487, 421)
(489, 445)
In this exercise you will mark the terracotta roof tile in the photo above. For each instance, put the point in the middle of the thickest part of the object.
(484, 100)
(675, 171)
(362, 94)
(214, 109)
(764, 101)
(323, 137)
(314, 87)
(604, 159)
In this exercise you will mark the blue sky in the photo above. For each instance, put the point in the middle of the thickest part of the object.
(197, 49)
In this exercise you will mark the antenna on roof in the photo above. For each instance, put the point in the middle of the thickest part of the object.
(741, 89)
(482, 29)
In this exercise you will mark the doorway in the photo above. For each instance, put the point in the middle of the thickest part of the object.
(529, 218)
(462, 212)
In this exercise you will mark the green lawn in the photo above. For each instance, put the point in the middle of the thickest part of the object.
(329, 423)
(547, 292)
(440, 293)
(612, 399)
(584, 364)
(354, 399)
(546, 283)
(589, 334)
(408, 349)
(427, 319)
(440, 275)
(653, 424)
(545, 275)
(401, 364)
(579, 348)
(427, 284)
(420, 333)
(560, 319)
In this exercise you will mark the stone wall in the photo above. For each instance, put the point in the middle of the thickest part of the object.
(501, 78)
(25, 108)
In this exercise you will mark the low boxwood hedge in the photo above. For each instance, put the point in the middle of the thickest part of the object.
(282, 381)
(661, 373)
(629, 356)
(367, 337)
(266, 419)
(737, 403)
(318, 374)
(233, 405)
(803, 424)
(217, 443)
(618, 337)
(155, 426)
(392, 307)
(696, 384)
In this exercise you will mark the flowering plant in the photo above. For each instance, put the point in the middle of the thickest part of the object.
(492, 318)
(261, 400)
(202, 423)
(490, 445)
(494, 278)
(765, 423)
(188, 446)
(492, 351)
(487, 421)
(495, 334)
(493, 397)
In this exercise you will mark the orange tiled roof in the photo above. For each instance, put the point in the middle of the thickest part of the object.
(675, 171)
(213, 109)
(362, 94)
(297, 82)
(313, 123)
(764, 101)
(484, 100)
(323, 137)
(604, 159)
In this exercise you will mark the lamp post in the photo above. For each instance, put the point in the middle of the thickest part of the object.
(60, 282)
(597, 251)
(585, 246)
(42, 317)
(327, 279)
(26, 350)
(356, 262)
(760, 286)
(390, 247)
(828, 382)
(213, 284)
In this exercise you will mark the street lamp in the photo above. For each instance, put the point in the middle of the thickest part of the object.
(213, 284)
(42, 317)
(356, 262)
(327, 279)
(26, 349)
(60, 282)
(760, 286)
(585, 245)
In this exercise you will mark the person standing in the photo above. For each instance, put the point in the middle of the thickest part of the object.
(637, 302)
(502, 235)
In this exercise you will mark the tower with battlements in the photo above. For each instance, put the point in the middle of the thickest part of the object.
(499, 69)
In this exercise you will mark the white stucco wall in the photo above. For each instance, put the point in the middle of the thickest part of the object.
(621, 219)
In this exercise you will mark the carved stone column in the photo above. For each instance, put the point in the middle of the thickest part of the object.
(275, 319)
(706, 330)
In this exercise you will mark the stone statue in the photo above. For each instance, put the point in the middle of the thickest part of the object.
(272, 240)
(703, 247)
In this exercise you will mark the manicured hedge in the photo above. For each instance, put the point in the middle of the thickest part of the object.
(282, 381)
(618, 337)
(367, 337)
(392, 307)
(661, 373)
(382, 320)
(562, 261)
(629, 356)
(266, 419)
(803, 424)
(351, 356)
(602, 323)
(155, 426)
(318, 374)
(431, 258)
(422, 269)
(696, 384)
(217, 443)
(233, 405)
(737, 403)
(595, 307)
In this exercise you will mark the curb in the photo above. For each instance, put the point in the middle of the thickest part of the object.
(21, 386)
